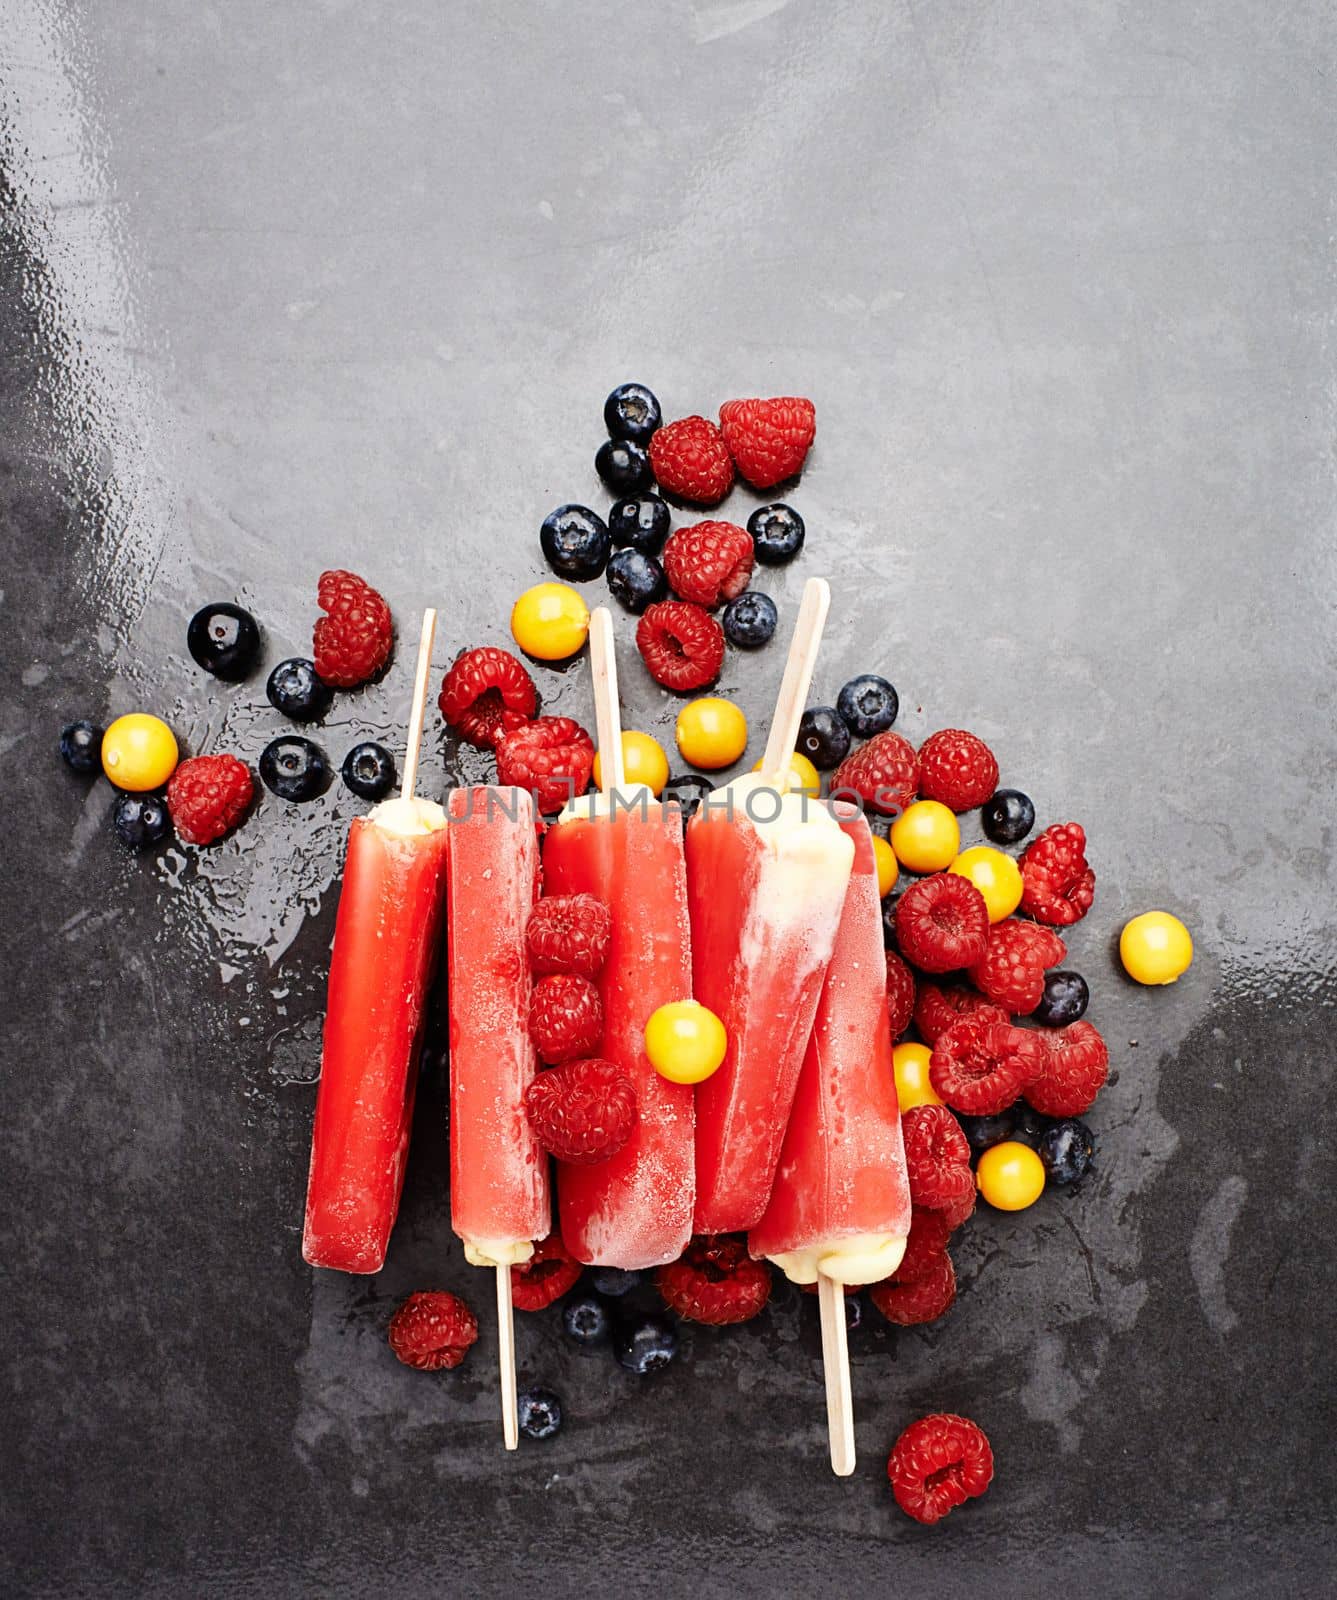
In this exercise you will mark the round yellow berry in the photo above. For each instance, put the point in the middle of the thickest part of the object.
(711, 733)
(1010, 1176)
(1154, 948)
(685, 1041)
(643, 761)
(803, 777)
(887, 869)
(996, 875)
(550, 621)
(139, 752)
(926, 836)
(910, 1064)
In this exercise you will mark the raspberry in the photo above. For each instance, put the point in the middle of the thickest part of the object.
(708, 563)
(955, 1212)
(690, 460)
(939, 1463)
(207, 797)
(928, 1238)
(938, 1007)
(1057, 885)
(546, 1276)
(566, 1017)
(884, 773)
(923, 1299)
(681, 644)
(568, 933)
(431, 1330)
(942, 923)
(581, 1111)
(1074, 1065)
(487, 692)
(980, 1066)
(900, 994)
(715, 1281)
(353, 642)
(937, 1157)
(1012, 970)
(552, 757)
(957, 768)
(768, 439)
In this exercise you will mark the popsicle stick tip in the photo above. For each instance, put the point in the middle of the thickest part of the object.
(797, 680)
(510, 1410)
(836, 1370)
(418, 706)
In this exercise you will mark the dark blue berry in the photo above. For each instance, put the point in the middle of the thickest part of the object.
(81, 746)
(575, 542)
(1028, 1125)
(296, 691)
(1066, 1150)
(982, 1133)
(749, 621)
(614, 1281)
(224, 640)
(141, 820)
(1064, 1001)
(369, 770)
(1009, 816)
(688, 790)
(889, 921)
(632, 412)
(623, 466)
(636, 580)
(540, 1413)
(868, 704)
(646, 1346)
(641, 521)
(586, 1319)
(294, 768)
(823, 737)
(777, 534)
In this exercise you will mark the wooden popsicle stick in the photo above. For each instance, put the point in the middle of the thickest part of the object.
(797, 679)
(836, 1367)
(418, 709)
(607, 711)
(510, 1417)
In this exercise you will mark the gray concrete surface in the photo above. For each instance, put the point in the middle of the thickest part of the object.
(287, 286)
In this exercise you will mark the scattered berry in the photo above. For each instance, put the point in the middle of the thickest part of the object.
(632, 412)
(983, 1132)
(823, 737)
(636, 580)
(1058, 886)
(568, 933)
(586, 1320)
(900, 993)
(224, 640)
(927, 1241)
(942, 923)
(708, 562)
(955, 1212)
(550, 622)
(1028, 1125)
(888, 868)
(715, 1281)
(937, 1007)
(868, 704)
(687, 790)
(646, 1346)
(690, 460)
(909, 1065)
(1155, 948)
(624, 466)
(682, 645)
(566, 1018)
(957, 768)
(884, 773)
(548, 1274)
(1064, 999)
(926, 836)
(980, 1065)
(540, 1413)
(575, 542)
(1008, 817)
(777, 534)
(487, 692)
(1011, 972)
(749, 620)
(432, 1329)
(1066, 1151)
(581, 1111)
(552, 757)
(141, 820)
(369, 770)
(685, 1041)
(81, 746)
(139, 752)
(937, 1464)
(353, 642)
(644, 762)
(615, 1282)
(1073, 1069)
(208, 797)
(1010, 1176)
(295, 689)
(768, 439)
(920, 1300)
(711, 733)
(640, 522)
(937, 1157)
(995, 875)
(294, 768)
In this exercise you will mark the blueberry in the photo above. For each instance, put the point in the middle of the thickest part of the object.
(853, 1312)
(984, 1132)
(636, 580)
(749, 621)
(141, 820)
(614, 1281)
(296, 691)
(1065, 999)
(540, 1413)
(889, 921)
(646, 1346)
(586, 1319)
(224, 640)
(689, 789)
(823, 737)
(575, 542)
(1066, 1150)
(294, 768)
(623, 466)
(632, 412)
(777, 534)
(1009, 816)
(868, 704)
(1028, 1125)
(369, 770)
(641, 521)
(81, 746)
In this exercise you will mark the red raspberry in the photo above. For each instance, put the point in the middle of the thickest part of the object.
(1012, 970)
(1057, 886)
(431, 1330)
(884, 773)
(709, 562)
(681, 644)
(938, 1007)
(1074, 1065)
(715, 1281)
(690, 460)
(582, 1111)
(568, 933)
(937, 1157)
(552, 757)
(957, 768)
(939, 1463)
(900, 994)
(980, 1066)
(487, 692)
(353, 642)
(922, 1299)
(566, 1017)
(546, 1276)
(955, 1212)
(768, 439)
(207, 797)
(928, 1238)
(942, 923)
